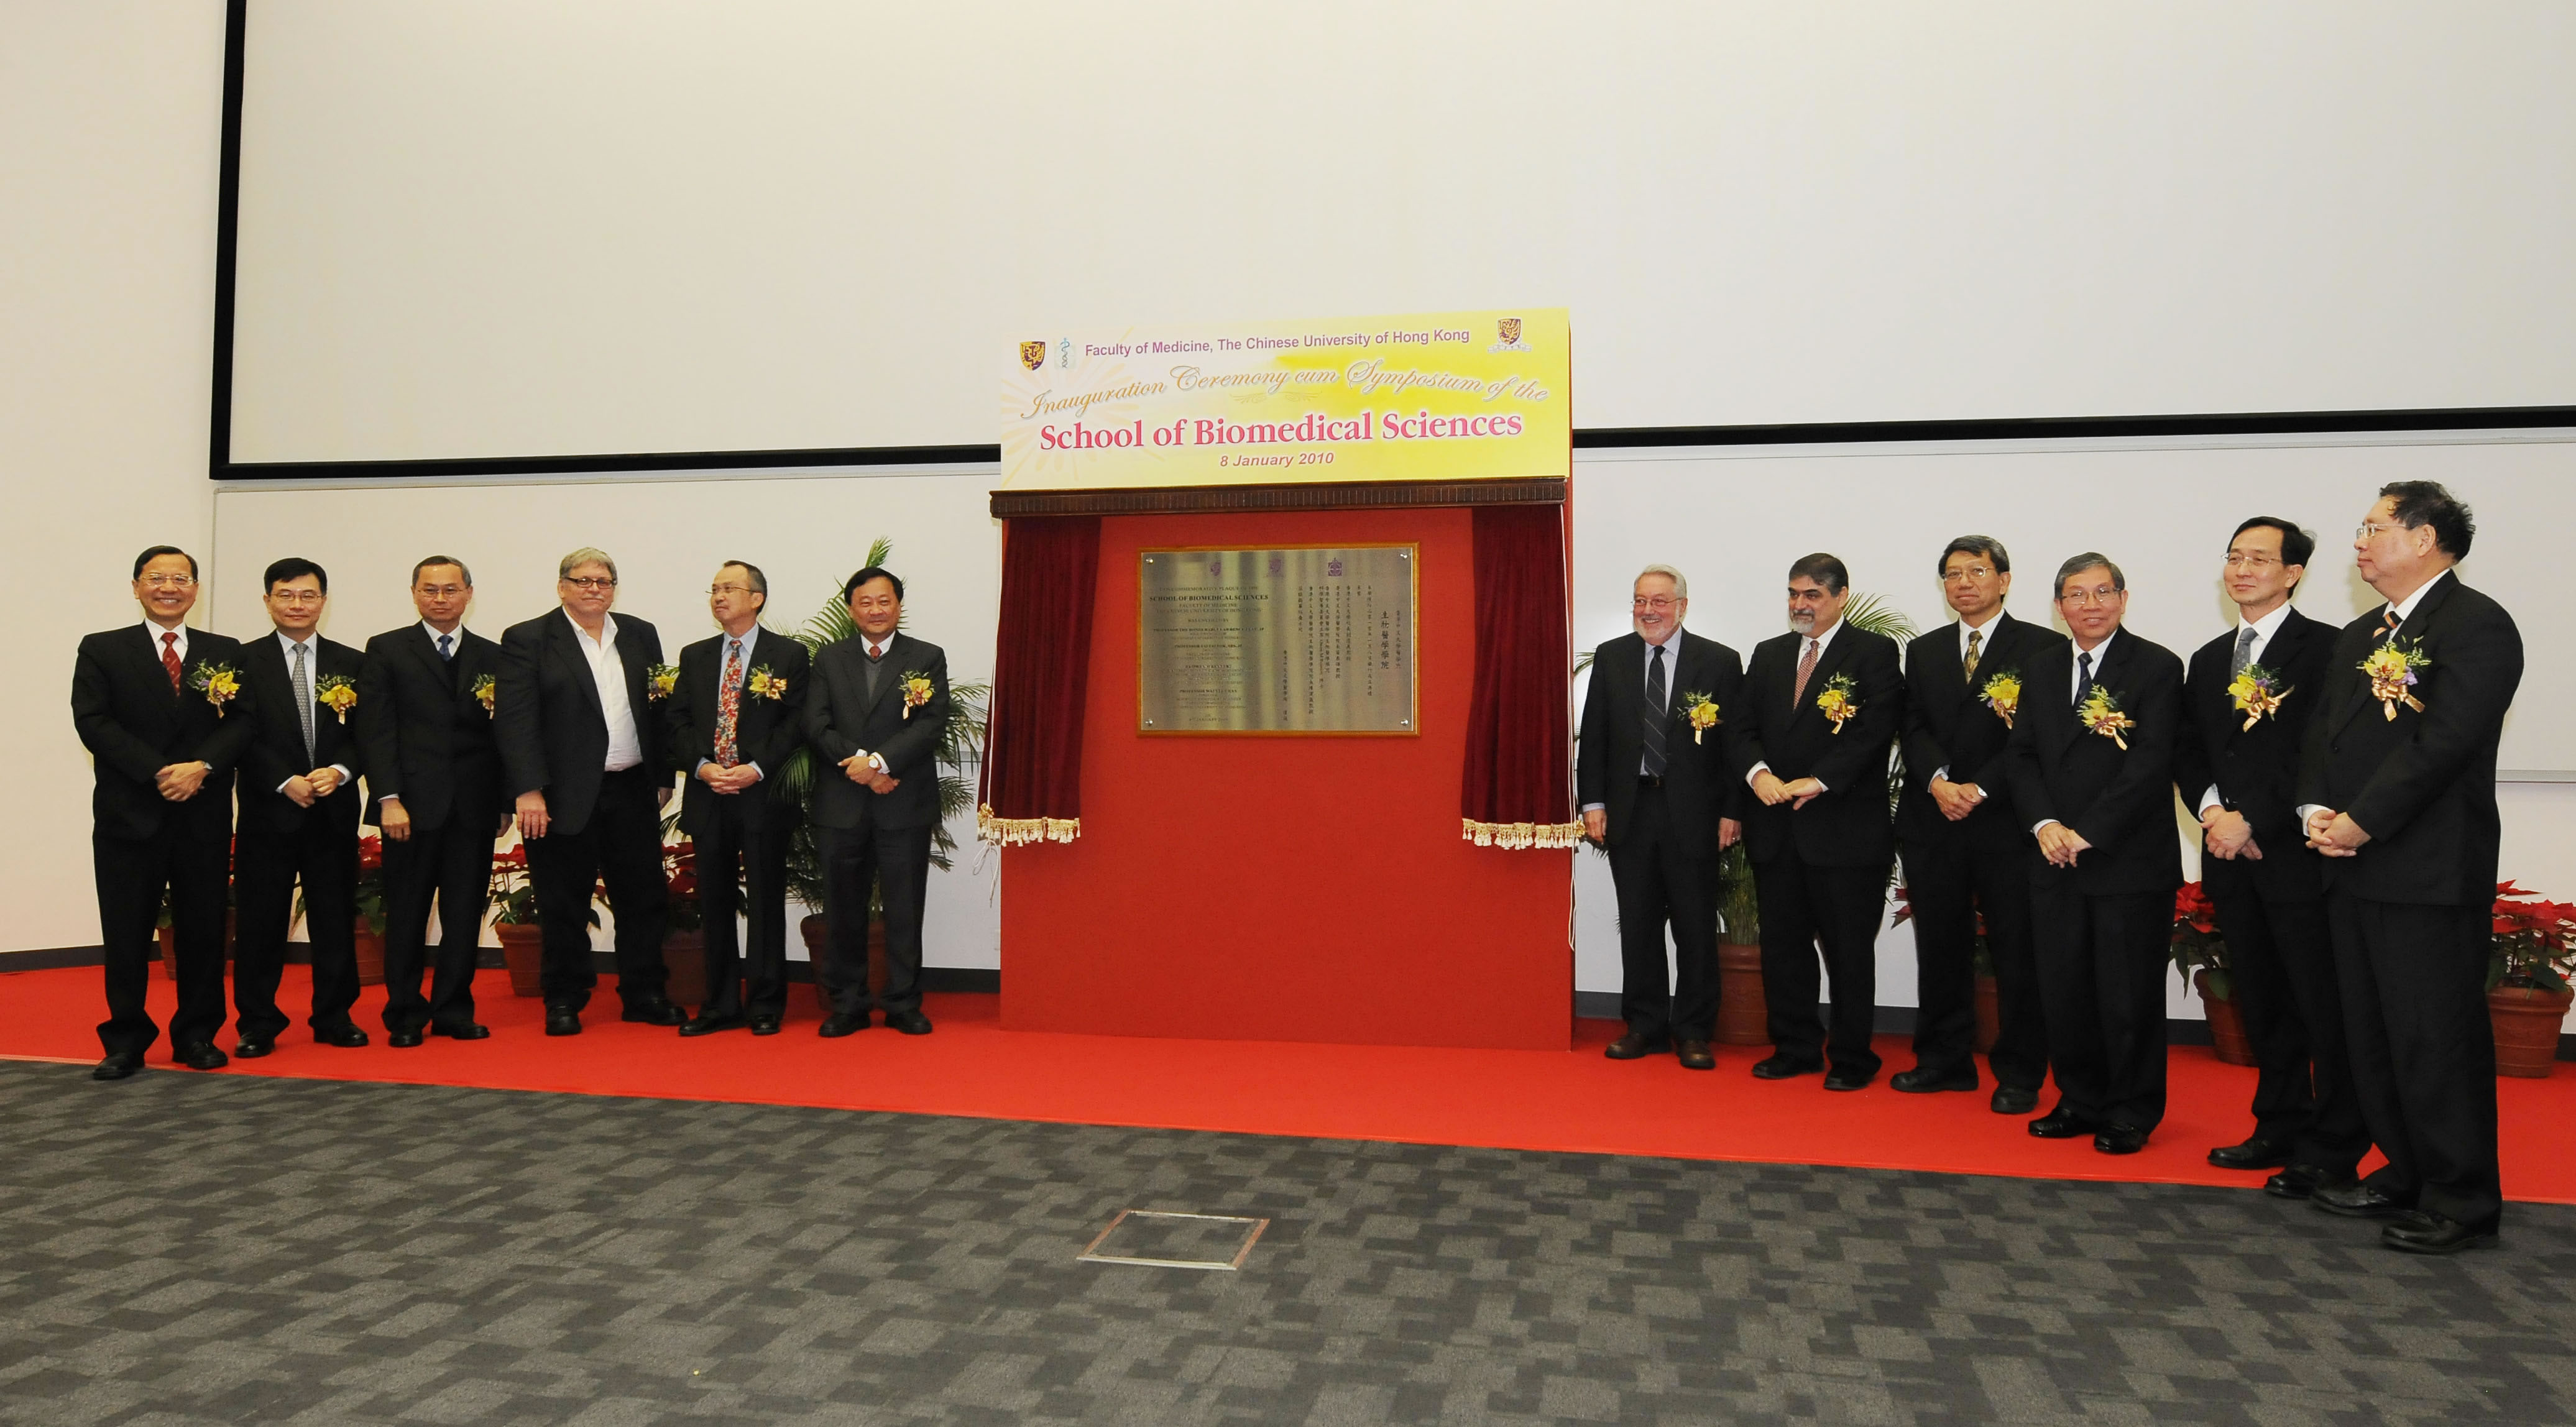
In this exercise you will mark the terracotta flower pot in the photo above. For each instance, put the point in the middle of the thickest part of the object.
(1743, 1017)
(371, 955)
(523, 951)
(2226, 1027)
(2527, 1019)
(1990, 1016)
(684, 954)
(817, 931)
(170, 947)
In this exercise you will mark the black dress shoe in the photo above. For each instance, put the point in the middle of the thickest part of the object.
(2358, 1201)
(2120, 1139)
(2013, 1100)
(2300, 1181)
(470, 1031)
(764, 1025)
(345, 1037)
(253, 1047)
(1920, 1081)
(197, 1055)
(2255, 1153)
(562, 1021)
(709, 1025)
(2063, 1124)
(842, 1023)
(404, 1039)
(655, 1012)
(1781, 1067)
(911, 1023)
(2419, 1231)
(1695, 1055)
(117, 1066)
(1631, 1046)
(1850, 1079)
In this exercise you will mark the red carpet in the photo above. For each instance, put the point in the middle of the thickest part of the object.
(1538, 1100)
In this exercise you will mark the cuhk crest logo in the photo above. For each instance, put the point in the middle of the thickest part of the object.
(1507, 334)
(1033, 354)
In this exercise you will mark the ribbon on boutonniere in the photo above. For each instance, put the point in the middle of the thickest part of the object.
(765, 683)
(484, 689)
(660, 680)
(2100, 713)
(2257, 693)
(2391, 668)
(916, 691)
(220, 683)
(338, 693)
(1837, 701)
(1701, 710)
(2002, 694)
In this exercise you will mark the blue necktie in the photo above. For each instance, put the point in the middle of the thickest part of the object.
(446, 650)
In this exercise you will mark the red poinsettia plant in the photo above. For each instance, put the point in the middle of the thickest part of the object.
(680, 869)
(2535, 941)
(2197, 946)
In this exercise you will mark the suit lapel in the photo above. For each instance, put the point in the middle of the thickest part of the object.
(567, 640)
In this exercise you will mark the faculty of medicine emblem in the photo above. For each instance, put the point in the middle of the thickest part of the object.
(1033, 354)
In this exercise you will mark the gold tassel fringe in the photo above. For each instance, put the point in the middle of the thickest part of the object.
(1011, 832)
(1520, 837)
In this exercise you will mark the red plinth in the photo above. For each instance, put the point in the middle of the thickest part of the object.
(1287, 888)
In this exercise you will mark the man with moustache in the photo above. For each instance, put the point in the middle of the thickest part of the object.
(735, 718)
(2249, 696)
(581, 751)
(424, 721)
(161, 712)
(1822, 705)
(1965, 848)
(2091, 762)
(1651, 777)
(299, 817)
(875, 716)
(2397, 789)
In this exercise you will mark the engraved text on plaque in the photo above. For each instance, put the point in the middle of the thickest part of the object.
(1276, 641)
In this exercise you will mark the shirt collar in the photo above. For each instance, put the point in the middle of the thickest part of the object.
(1985, 632)
(1825, 640)
(312, 642)
(157, 631)
(2099, 651)
(1672, 641)
(749, 637)
(2268, 625)
(2406, 608)
(455, 638)
(607, 629)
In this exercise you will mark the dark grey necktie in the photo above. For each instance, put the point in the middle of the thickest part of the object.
(2083, 677)
(1655, 720)
(2244, 653)
(304, 703)
(446, 647)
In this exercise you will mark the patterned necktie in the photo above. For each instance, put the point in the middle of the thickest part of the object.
(1968, 666)
(2083, 677)
(304, 703)
(2244, 653)
(2389, 622)
(170, 657)
(446, 648)
(875, 652)
(1806, 666)
(729, 706)
(1654, 759)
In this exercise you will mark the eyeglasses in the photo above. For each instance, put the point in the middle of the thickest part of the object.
(2249, 562)
(439, 592)
(590, 584)
(1968, 572)
(731, 590)
(1653, 602)
(158, 581)
(2104, 595)
(296, 597)
(2370, 530)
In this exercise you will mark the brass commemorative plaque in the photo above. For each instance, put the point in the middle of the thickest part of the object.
(1298, 640)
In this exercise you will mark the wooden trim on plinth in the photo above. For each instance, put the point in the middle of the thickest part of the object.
(1318, 495)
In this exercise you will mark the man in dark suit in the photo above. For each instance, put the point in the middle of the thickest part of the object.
(2091, 762)
(1823, 703)
(2397, 789)
(878, 707)
(299, 816)
(151, 707)
(1966, 849)
(2249, 697)
(736, 717)
(424, 722)
(1651, 777)
(581, 750)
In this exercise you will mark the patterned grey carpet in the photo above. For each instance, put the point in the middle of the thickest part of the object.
(190, 1249)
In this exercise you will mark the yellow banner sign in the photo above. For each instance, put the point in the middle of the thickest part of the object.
(1438, 396)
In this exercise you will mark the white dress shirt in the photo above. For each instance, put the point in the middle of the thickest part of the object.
(313, 682)
(1672, 647)
(157, 631)
(1822, 642)
(2264, 629)
(608, 671)
(725, 651)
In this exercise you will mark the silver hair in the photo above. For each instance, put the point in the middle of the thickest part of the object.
(1681, 587)
(2090, 560)
(586, 555)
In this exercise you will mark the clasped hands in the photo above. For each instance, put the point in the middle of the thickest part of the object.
(1773, 792)
(306, 789)
(1956, 800)
(867, 775)
(180, 781)
(2227, 835)
(2335, 834)
(2060, 844)
(727, 780)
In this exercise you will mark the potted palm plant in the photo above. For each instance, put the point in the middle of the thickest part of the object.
(1743, 1018)
(2527, 979)
(2200, 954)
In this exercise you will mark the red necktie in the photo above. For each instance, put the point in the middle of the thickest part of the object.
(1806, 666)
(170, 657)
(729, 705)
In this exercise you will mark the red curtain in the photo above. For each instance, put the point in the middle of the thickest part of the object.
(1518, 727)
(1041, 670)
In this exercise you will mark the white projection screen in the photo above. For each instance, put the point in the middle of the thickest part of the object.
(516, 228)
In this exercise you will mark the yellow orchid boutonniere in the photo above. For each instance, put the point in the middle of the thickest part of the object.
(765, 683)
(338, 693)
(2257, 694)
(2002, 693)
(218, 682)
(2101, 714)
(1702, 711)
(485, 687)
(2391, 668)
(660, 680)
(916, 691)
(1837, 701)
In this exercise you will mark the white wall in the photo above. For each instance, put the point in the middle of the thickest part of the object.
(109, 128)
